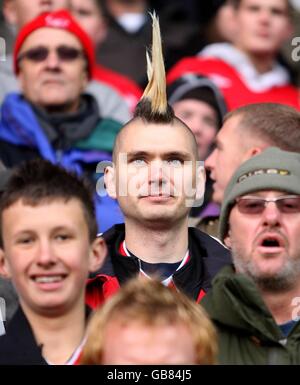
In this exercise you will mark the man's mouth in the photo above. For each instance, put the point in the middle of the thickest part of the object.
(156, 195)
(271, 242)
(52, 81)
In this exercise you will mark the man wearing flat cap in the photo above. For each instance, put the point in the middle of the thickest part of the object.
(255, 302)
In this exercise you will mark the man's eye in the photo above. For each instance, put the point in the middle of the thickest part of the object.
(175, 162)
(139, 162)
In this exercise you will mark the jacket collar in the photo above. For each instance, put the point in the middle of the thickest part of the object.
(206, 257)
(20, 337)
(235, 302)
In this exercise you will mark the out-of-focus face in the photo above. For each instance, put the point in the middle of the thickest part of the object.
(26, 10)
(53, 83)
(138, 344)
(225, 23)
(202, 119)
(90, 18)
(263, 26)
(156, 178)
(48, 260)
(266, 245)
(226, 157)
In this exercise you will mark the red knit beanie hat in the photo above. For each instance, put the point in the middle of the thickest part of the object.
(61, 20)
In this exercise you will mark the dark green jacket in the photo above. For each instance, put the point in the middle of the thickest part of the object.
(247, 331)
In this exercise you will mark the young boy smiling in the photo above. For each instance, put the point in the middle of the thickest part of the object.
(48, 247)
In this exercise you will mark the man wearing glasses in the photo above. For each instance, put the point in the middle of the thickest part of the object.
(53, 118)
(255, 302)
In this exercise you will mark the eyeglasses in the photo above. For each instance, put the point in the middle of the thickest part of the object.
(288, 204)
(40, 53)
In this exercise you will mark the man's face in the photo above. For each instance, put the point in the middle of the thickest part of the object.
(202, 119)
(155, 174)
(263, 26)
(266, 246)
(48, 260)
(25, 11)
(88, 15)
(53, 83)
(146, 345)
(226, 157)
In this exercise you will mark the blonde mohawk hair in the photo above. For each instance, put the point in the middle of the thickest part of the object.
(153, 106)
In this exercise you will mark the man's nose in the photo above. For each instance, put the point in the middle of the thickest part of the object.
(210, 161)
(52, 60)
(271, 215)
(157, 171)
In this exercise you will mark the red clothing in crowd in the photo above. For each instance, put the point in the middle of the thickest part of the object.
(234, 85)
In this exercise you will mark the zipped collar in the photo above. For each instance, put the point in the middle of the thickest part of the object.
(191, 278)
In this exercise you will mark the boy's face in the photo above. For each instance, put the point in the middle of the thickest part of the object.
(48, 254)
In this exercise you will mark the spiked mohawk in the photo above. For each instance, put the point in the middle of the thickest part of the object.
(153, 106)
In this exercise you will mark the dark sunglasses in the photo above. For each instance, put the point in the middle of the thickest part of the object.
(288, 204)
(40, 53)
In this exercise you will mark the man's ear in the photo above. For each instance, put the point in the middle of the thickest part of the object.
(252, 151)
(200, 181)
(97, 254)
(110, 181)
(101, 32)
(4, 266)
(227, 240)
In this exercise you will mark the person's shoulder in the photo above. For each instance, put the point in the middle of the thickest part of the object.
(7, 350)
(207, 238)
(215, 253)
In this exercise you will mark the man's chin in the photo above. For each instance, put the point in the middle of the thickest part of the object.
(274, 279)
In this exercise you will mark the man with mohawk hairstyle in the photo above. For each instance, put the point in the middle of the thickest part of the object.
(156, 178)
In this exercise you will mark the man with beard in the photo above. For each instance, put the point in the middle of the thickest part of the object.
(156, 177)
(254, 302)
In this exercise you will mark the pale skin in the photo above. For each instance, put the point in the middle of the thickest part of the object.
(49, 262)
(246, 235)
(148, 344)
(263, 26)
(90, 18)
(233, 146)
(20, 12)
(53, 84)
(156, 214)
(202, 119)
